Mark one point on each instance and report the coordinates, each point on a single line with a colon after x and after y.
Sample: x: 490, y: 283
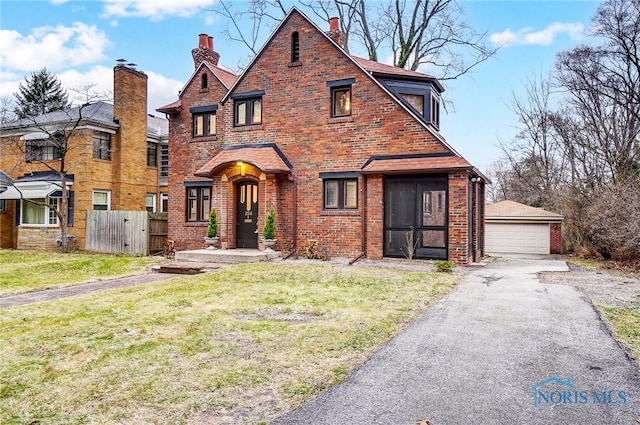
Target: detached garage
x: 516, y: 228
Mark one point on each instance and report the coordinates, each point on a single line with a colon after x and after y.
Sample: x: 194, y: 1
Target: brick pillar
x: 375, y: 217
x: 555, y: 238
x: 458, y: 218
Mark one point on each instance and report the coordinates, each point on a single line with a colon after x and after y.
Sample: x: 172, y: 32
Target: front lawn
x: 24, y: 271
x: 243, y: 344
x: 626, y: 326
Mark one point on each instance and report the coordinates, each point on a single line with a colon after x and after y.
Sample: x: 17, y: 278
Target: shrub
x: 269, y: 230
x: 444, y: 266
x: 212, y: 227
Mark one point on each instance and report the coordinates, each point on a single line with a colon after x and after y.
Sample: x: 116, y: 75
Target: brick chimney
x: 335, y: 33
x: 204, y: 51
x: 129, y: 144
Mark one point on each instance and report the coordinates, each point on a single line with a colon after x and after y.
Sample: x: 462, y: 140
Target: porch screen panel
x: 400, y: 204
x: 400, y: 208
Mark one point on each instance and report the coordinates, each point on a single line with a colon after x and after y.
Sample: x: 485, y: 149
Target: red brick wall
x: 555, y: 238
x: 186, y: 155
x: 296, y: 117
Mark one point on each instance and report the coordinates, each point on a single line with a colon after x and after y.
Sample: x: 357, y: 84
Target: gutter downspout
x: 363, y: 221
x: 294, y: 251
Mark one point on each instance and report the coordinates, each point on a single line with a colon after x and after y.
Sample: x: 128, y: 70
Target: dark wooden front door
x: 247, y: 215
x: 416, y: 206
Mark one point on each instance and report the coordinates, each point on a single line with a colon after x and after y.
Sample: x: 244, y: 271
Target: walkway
x: 83, y: 288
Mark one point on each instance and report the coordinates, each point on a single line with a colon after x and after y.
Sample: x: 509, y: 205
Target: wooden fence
x: 131, y: 232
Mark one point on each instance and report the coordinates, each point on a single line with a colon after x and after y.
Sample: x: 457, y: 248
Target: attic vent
x: 295, y: 47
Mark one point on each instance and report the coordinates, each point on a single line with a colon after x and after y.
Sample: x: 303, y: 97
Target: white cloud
x: 161, y: 91
x: 54, y: 47
x: 154, y: 9
x: 545, y: 37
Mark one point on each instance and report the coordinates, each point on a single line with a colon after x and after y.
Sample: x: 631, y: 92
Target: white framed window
x: 39, y: 212
x: 164, y: 202
x: 102, y: 200
x: 150, y: 202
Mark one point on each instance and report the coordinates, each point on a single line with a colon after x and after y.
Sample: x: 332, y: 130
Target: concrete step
x: 226, y: 256
x: 186, y: 267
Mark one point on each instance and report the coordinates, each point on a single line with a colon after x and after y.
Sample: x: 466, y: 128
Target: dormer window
x: 415, y: 100
x: 204, y: 81
x: 295, y: 47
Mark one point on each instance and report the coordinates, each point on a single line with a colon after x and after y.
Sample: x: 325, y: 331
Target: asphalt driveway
x: 502, y: 348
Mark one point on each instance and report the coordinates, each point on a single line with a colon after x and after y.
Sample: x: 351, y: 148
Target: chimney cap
x: 334, y: 23
x: 203, y: 40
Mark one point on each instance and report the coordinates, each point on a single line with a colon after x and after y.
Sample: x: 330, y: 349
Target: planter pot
x: 212, y: 242
x: 268, y: 243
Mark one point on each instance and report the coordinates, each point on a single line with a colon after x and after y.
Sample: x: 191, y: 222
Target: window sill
x: 195, y: 223
x: 294, y: 64
x: 204, y: 139
x: 352, y: 213
x: 338, y: 120
x: 108, y: 161
x: 248, y: 128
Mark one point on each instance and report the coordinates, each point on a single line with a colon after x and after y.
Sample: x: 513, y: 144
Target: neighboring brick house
x: 346, y: 151
x: 117, y: 161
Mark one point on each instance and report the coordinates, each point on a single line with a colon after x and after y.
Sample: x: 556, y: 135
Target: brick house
x: 346, y: 151
x: 117, y: 161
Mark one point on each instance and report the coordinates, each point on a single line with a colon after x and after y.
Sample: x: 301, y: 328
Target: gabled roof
x: 227, y: 78
x: 510, y: 210
x: 356, y: 61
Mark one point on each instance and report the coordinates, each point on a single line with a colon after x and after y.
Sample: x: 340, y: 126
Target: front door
x: 415, y: 216
x: 247, y: 215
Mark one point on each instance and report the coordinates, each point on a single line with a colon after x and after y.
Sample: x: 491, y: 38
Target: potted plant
x: 269, y: 231
x: 212, y: 230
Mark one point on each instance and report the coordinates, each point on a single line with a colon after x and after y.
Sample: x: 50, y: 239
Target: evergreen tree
x: 41, y: 93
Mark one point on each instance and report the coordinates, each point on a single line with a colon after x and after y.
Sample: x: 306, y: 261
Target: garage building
x: 516, y: 228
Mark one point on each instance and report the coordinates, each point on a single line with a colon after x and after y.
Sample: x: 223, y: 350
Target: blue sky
x: 80, y: 41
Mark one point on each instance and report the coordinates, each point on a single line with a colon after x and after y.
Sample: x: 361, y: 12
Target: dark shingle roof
x: 99, y: 112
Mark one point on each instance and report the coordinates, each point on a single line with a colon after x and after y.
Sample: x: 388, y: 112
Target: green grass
x: 24, y: 271
x: 240, y: 345
x: 626, y: 325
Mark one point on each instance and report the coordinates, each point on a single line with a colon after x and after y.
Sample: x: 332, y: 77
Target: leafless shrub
x: 614, y: 222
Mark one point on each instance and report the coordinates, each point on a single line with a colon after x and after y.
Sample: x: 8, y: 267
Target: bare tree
x: 603, y: 83
x: 7, y: 105
x: 581, y: 147
x: 536, y: 156
x: 420, y: 33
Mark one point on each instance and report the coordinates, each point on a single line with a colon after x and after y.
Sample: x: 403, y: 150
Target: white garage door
x: 517, y: 238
